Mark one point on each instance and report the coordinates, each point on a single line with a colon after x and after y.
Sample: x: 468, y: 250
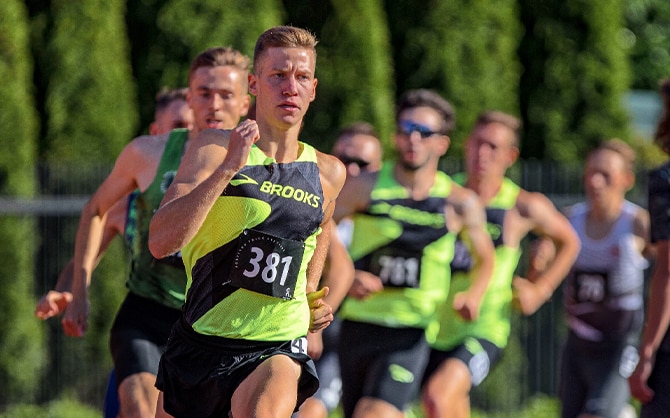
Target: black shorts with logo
x: 380, y: 362
x: 478, y: 354
x: 199, y: 373
x: 139, y: 335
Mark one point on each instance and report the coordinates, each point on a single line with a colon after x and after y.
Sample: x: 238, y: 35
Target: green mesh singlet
x: 493, y: 323
x: 406, y: 243
x: 277, y: 200
x: 163, y: 281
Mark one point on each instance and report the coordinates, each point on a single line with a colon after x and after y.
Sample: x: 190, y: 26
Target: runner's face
x: 490, y: 151
x: 418, y: 139
x: 177, y: 114
x: 359, y: 153
x: 606, y: 179
x: 218, y: 97
x: 284, y: 85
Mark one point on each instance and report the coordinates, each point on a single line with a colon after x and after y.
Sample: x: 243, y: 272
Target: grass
x: 537, y: 407
x: 65, y: 408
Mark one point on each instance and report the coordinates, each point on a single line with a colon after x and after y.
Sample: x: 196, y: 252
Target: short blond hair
x: 626, y: 152
x: 221, y: 57
x: 284, y: 37
x: 505, y: 119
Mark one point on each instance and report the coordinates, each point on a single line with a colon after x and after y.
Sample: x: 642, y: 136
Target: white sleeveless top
x: 603, y: 292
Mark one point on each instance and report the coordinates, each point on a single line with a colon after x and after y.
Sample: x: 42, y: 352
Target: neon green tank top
x: 407, y: 244
x: 163, y: 281
x: 247, y: 264
x: 493, y: 323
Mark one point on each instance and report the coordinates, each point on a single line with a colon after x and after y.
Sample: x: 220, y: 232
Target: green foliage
x: 647, y: 36
x: 21, y: 344
x: 62, y: 408
x: 18, y: 121
x: 178, y: 30
x: 540, y: 406
x: 355, y: 70
x: 90, y: 115
x: 90, y: 96
x: 572, y: 91
x: 198, y: 25
x: 465, y: 50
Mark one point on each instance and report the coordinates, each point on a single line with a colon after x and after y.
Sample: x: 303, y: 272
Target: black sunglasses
x: 362, y: 164
x: 406, y: 127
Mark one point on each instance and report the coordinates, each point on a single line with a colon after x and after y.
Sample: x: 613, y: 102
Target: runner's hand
x: 321, y: 313
x: 75, y: 320
x: 639, y: 388
x: 364, y: 284
x: 52, y: 304
x: 315, y: 344
x: 242, y: 138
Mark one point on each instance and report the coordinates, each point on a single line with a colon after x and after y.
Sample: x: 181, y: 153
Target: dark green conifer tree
x: 22, y: 349
x: 576, y: 72
x: 466, y: 50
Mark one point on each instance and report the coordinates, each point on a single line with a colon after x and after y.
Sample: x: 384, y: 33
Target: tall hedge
x: 576, y: 72
x: 168, y: 34
x: 465, y: 49
x: 90, y: 115
x: 21, y: 343
x: 647, y: 36
x: 355, y: 72
x: 90, y: 97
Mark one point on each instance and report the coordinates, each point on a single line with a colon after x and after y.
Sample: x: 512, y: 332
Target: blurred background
x: 79, y: 80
